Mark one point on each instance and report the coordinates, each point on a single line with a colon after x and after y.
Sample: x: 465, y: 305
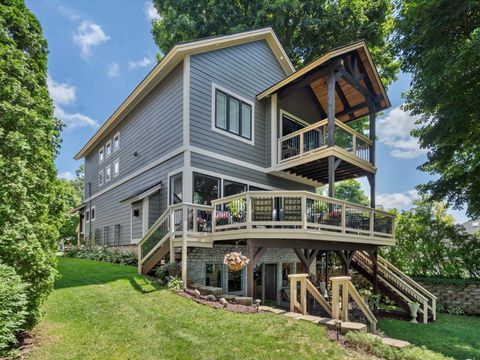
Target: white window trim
x: 100, y: 183
x: 106, y: 172
x: 225, y: 132
x: 116, y: 161
x: 95, y: 212
x: 291, y: 116
x: 113, y: 142
x: 170, y: 175
x: 101, y: 150
x: 107, y: 155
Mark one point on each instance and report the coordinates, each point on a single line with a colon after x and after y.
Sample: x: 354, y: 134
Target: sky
x: 100, y: 50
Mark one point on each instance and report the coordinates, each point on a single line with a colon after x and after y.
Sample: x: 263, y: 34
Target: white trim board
x: 186, y: 100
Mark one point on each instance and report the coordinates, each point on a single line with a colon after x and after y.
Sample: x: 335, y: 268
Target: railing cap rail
x: 292, y: 193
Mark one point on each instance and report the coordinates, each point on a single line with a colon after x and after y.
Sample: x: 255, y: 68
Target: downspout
x: 90, y: 211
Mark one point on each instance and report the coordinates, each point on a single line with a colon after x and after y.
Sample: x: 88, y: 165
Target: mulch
x: 189, y: 294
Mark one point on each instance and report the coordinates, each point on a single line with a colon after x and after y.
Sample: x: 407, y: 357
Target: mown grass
x: 451, y: 335
x: 106, y: 311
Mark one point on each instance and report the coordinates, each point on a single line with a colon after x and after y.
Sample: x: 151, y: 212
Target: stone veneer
x: 466, y: 297
x: 198, y: 258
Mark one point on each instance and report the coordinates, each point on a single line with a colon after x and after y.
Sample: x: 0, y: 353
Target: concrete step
x: 244, y: 300
x: 271, y: 309
x: 352, y: 326
x: 395, y: 342
x: 292, y: 315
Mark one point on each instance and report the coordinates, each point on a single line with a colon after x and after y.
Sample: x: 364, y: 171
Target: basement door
x: 271, y: 282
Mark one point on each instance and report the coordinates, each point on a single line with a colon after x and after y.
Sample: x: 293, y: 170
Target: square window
x: 116, y: 167
x: 108, y: 148
x: 213, y: 275
x: 116, y: 142
x: 205, y: 189
x: 100, y: 178
x: 108, y: 173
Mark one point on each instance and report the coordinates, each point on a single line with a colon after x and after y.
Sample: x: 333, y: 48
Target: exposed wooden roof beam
x: 343, y: 99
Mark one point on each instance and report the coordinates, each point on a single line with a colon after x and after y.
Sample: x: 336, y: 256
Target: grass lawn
x: 106, y: 311
x: 455, y: 336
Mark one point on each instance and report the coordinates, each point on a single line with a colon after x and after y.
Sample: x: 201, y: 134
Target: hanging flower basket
x: 235, y: 261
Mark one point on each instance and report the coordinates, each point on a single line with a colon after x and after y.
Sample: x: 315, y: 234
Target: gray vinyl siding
x: 137, y: 221
x: 151, y: 130
x: 245, y: 70
x: 295, y: 104
x: 246, y: 174
x: 155, y: 206
x: 109, y: 210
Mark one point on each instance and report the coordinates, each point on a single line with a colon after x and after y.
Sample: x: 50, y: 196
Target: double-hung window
x: 108, y: 173
x: 100, y: 178
x: 116, y: 167
x: 116, y: 142
x: 233, y: 114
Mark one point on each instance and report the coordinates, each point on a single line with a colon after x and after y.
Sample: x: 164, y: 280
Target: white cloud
x: 63, y: 95
x: 150, y: 11
x: 113, y: 70
x: 139, y: 63
x: 67, y: 175
x: 70, y: 14
x: 394, y: 132
x: 400, y: 201
x: 89, y: 34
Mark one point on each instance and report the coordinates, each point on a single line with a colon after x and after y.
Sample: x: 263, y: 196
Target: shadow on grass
x: 83, y: 272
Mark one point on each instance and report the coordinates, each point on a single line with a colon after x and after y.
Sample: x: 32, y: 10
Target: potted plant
x: 235, y: 261
x: 414, y: 306
x: 237, y: 208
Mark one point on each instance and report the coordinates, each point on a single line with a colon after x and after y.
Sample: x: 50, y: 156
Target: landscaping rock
x: 223, y: 302
x: 211, y: 297
x: 292, y: 315
x: 210, y: 290
x: 329, y: 323
x: 196, y: 293
x: 244, y: 300
x: 194, y: 286
x: 228, y: 297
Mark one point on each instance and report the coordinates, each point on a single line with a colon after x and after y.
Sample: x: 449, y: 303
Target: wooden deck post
x: 250, y: 268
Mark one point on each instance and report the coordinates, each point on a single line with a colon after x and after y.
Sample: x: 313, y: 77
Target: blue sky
x: 100, y: 50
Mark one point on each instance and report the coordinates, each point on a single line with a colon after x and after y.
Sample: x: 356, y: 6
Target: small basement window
x: 213, y: 275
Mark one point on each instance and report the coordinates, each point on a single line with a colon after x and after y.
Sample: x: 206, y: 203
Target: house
x: 471, y: 226
x: 221, y: 147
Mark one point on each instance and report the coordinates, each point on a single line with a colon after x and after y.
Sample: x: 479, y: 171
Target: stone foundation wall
x: 466, y: 297
x: 199, y: 257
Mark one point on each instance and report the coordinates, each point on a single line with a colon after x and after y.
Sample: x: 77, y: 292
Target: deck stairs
x: 397, y: 286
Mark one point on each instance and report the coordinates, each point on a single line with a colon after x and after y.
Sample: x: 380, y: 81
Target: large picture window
x: 233, y: 115
x: 233, y: 188
x: 205, y: 189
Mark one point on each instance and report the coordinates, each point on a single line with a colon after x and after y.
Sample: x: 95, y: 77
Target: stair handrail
x: 320, y: 299
x: 305, y: 285
x: 362, y: 305
x: 391, y: 267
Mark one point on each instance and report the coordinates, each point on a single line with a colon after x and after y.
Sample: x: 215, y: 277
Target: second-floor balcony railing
x: 314, y: 138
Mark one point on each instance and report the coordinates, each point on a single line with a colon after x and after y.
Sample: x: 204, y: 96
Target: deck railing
x: 314, y: 138
x: 298, y: 210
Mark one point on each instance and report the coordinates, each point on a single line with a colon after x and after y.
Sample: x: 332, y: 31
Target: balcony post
x: 331, y: 109
x: 331, y: 176
x: 372, y: 130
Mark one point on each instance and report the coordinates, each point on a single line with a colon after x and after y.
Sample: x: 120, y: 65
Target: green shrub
x: 374, y: 345
x: 174, y: 284
x: 103, y: 254
x: 13, y: 305
x: 169, y: 269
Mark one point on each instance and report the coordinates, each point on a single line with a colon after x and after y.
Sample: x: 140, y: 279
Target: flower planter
x: 413, y: 311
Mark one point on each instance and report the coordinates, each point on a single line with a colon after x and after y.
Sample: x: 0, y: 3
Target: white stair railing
x: 400, y: 283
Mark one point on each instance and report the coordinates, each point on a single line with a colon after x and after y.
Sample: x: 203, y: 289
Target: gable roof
x: 174, y: 57
x: 358, y: 49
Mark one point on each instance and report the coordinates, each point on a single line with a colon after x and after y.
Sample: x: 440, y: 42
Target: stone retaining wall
x: 466, y: 297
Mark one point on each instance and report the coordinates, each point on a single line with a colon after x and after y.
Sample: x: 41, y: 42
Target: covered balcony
x: 323, y: 118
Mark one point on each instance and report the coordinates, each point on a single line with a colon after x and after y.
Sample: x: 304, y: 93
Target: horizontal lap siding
x: 151, y: 130
x: 110, y: 212
x: 245, y: 70
x: 246, y: 174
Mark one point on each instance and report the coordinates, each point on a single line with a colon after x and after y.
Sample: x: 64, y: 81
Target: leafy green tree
x: 79, y: 181
x: 430, y: 244
x: 438, y: 42
x: 306, y: 28
x: 29, y: 140
x: 351, y: 190
x: 68, y: 197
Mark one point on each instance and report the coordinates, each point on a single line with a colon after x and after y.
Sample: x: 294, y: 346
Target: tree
x: 68, y: 197
x: 79, y: 182
x: 307, y: 28
x: 438, y: 42
x: 351, y: 190
x: 348, y: 190
x: 430, y: 244
x: 29, y: 141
